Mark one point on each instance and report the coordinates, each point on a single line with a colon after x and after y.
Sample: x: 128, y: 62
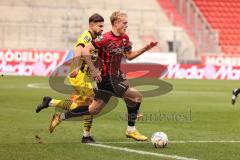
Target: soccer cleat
x: 44, y: 104
x: 88, y: 139
x: 56, y: 120
x: 234, y: 96
x: 136, y: 135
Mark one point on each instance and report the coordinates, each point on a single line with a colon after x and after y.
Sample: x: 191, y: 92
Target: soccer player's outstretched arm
x: 87, y: 57
x: 133, y: 54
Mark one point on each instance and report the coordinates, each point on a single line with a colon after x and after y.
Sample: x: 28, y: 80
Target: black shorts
x: 111, y: 86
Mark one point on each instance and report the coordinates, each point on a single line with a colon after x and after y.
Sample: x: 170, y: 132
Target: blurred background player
x: 235, y: 93
x: 112, y: 46
x: 80, y: 78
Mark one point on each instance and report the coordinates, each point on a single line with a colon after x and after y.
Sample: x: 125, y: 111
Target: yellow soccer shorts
x: 83, y: 86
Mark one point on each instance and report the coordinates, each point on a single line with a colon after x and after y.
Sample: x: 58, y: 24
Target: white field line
x: 141, y: 152
x: 38, y: 85
x: 127, y: 142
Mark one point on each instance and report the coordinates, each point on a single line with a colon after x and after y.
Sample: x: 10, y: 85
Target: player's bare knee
x: 96, y: 107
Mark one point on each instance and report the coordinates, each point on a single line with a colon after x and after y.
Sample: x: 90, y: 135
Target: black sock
x: 138, y: 106
x: 132, y: 108
x: 83, y: 110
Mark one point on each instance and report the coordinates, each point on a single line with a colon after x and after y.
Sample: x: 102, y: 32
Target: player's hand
x: 96, y: 75
x: 150, y: 45
x: 73, y: 74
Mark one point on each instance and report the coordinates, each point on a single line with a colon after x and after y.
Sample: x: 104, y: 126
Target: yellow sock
x: 63, y: 104
x: 54, y: 103
x: 87, y: 123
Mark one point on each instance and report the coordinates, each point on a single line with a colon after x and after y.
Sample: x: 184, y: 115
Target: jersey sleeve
x: 83, y: 40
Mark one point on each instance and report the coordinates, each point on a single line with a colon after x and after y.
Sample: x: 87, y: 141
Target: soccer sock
x: 86, y: 133
x: 132, y: 108
x: 87, y: 124
x: 137, y: 107
x: 138, y: 104
x: 54, y: 102
x: 131, y: 128
x: 63, y: 104
x: 79, y: 111
x: 62, y: 116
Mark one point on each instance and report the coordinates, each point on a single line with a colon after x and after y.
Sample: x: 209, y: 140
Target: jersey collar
x: 114, y: 34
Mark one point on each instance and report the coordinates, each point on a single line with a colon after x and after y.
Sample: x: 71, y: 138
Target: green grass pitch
x: 209, y: 116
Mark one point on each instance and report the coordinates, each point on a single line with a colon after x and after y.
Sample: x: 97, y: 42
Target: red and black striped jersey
x: 111, y: 49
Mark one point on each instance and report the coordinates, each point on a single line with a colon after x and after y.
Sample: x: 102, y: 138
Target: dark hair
x: 96, y: 18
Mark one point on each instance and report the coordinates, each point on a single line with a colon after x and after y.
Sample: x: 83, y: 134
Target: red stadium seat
x: 223, y: 16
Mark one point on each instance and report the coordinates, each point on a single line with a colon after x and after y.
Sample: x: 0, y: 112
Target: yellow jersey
x: 83, y: 82
x: 83, y: 40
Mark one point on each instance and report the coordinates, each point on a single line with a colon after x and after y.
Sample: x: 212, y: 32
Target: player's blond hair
x: 116, y: 15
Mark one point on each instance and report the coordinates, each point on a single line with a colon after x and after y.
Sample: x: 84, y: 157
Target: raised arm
x: 133, y: 54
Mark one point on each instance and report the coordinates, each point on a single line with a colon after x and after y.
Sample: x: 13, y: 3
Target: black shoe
x: 234, y: 96
x: 88, y: 140
x: 44, y: 104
